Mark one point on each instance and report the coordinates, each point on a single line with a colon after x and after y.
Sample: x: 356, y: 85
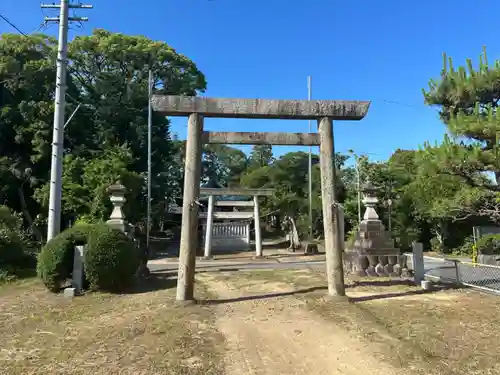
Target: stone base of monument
x: 372, y: 252
x: 371, y: 265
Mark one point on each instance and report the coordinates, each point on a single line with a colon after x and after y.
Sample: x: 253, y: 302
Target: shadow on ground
x: 260, y: 297
x: 387, y: 283
x: 154, y: 282
x: 209, y: 268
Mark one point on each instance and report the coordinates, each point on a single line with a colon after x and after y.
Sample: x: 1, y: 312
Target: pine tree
x: 468, y: 98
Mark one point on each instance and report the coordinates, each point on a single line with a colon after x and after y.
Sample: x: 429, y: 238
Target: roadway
x: 224, y: 265
x: 445, y: 270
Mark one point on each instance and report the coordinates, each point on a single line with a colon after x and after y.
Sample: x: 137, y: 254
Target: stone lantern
x: 372, y: 253
x: 117, y: 197
x: 370, y: 201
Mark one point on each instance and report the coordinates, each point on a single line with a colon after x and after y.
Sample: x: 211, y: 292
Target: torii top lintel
x: 237, y: 192
x: 172, y: 105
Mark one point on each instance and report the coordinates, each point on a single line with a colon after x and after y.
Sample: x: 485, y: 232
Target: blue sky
x: 383, y: 51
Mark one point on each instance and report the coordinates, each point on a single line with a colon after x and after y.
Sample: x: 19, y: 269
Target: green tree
x: 260, y: 156
x: 111, y: 72
x: 223, y: 164
x: 27, y: 71
x: 288, y: 175
x: 107, y: 77
x: 85, y: 184
x: 467, y: 98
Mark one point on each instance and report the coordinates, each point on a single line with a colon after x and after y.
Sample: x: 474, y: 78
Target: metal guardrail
x: 475, y: 275
x: 480, y: 276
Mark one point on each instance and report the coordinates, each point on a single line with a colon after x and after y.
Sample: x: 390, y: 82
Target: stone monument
x: 117, y: 197
x: 372, y: 253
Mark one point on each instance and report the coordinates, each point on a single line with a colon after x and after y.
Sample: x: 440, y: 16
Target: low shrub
x: 489, y: 245
x: 466, y: 248
x: 13, y: 245
x: 110, y: 262
x: 55, y: 262
x: 111, y: 259
x: 11, y: 249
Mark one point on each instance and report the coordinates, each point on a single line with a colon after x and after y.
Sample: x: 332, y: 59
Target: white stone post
x: 258, y: 238
x: 418, y: 262
x: 209, y: 228
x: 77, y: 279
x: 117, y: 198
x: 341, y: 234
x: 247, y: 235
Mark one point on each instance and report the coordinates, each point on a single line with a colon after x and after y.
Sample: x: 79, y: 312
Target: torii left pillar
x: 189, y: 229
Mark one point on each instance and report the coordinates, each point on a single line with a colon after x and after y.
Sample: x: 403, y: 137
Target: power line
x: 11, y: 24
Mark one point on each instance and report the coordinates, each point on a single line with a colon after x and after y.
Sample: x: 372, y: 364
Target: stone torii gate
x: 211, y: 215
x: 196, y: 108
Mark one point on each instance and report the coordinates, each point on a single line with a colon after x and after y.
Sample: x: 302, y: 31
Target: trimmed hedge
x: 489, y: 245
x: 111, y: 259
x: 55, y: 262
x: 110, y: 263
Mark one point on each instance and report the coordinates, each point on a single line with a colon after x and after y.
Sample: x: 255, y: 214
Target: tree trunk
x: 27, y: 215
x: 294, y: 234
x: 441, y: 234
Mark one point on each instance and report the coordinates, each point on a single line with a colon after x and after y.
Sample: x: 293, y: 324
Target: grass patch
x: 138, y: 333
x: 456, y: 328
x: 445, y: 332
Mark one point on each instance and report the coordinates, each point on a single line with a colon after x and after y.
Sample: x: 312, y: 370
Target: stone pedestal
x: 373, y: 253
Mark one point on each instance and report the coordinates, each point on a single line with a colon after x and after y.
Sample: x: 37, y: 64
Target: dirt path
x: 279, y: 335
